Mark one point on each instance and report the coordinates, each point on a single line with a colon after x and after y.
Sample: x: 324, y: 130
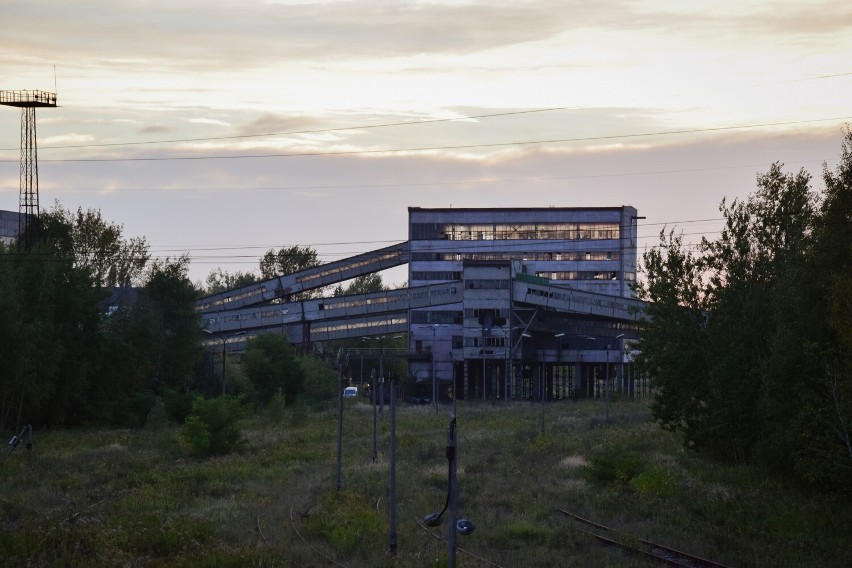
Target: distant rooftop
x: 25, y: 98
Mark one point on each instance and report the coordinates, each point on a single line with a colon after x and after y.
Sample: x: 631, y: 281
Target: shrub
x: 211, y: 428
x: 613, y: 465
x: 178, y: 404
x: 347, y: 521
x: 275, y: 408
x: 654, y: 482
x: 157, y: 418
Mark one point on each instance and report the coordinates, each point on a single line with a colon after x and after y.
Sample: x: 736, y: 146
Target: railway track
x: 607, y: 536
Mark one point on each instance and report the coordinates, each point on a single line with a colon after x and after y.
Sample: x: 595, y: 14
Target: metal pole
x: 373, y: 393
x: 392, y: 539
x: 508, y: 364
x: 434, y: 376
x: 606, y: 383
x: 483, y: 370
x: 339, y: 431
x: 453, y: 378
x: 224, y: 356
x: 382, y: 380
x: 453, y: 492
x: 541, y: 378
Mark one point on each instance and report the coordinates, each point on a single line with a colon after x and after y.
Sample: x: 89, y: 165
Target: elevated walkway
x: 578, y: 302
x: 250, y: 309
x: 357, y: 310
x: 282, y: 287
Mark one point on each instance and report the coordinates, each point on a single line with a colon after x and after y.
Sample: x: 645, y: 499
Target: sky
x: 224, y: 129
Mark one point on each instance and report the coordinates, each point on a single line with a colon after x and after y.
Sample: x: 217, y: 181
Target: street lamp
x: 224, y: 352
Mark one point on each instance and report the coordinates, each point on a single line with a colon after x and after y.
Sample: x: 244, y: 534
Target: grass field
x: 136, y: 498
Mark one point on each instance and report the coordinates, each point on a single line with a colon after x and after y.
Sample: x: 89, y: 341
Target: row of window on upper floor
x: 513, y: 231
x: 519, y: 255
x: 490, y: 284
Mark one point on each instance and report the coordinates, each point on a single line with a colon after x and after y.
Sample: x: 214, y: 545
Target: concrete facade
x: 492, y: 344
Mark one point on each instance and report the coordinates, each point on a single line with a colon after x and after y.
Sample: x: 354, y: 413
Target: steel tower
x: 28, y: 201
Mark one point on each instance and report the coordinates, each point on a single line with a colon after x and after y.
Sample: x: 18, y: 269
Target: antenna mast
x: 28, y: 211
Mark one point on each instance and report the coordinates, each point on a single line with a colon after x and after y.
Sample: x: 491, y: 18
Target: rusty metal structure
x: 28, y: 207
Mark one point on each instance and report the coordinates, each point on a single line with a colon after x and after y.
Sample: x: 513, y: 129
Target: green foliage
x: 347, y: 522
x: 106, y: 497
x: 653, y: 482
x: 299, y: 411
x: 66, y: 358
x: 49, y: 335
x: 220, y: 281
x: 158, y: 417
x: 276, y: 408
x: 362, y: 285
x: 169, y: 300
x: 319, y: 381
x: 271, y: 365
x: 212, y: 427
x: 288, y: 260
x: 97, y: 247
x: 748, y: 342
x: 614, y: 465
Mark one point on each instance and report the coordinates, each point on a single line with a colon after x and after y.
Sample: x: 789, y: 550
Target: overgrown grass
x: 140, y: 498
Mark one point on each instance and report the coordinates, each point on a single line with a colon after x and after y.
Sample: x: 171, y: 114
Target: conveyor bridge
x: 283, y: 287
x: 263, y: 306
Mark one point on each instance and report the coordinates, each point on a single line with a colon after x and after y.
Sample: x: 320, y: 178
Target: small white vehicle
x: 350, y: 392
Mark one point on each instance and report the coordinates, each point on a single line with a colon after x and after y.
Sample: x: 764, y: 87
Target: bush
x: 347, y: 522
x: 211, y: 428
x: 275, y: 408
x: 178, y: 404
x: 157, y: 418
x: 653, y: 482
x: 613, y: 465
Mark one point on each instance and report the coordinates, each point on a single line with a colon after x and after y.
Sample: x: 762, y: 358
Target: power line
x: 435, y: 183
x: 404, y: 123
x: 454, y: 147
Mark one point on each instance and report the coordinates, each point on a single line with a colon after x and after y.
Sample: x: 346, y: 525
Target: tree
x: 49, y: 319
x: 96, y: 245
x: 271, y: 365
x: 169, y: 297
x: 362, y: 285
x: 748, y: 340
x: 287, y: 260
x: 220, y: 281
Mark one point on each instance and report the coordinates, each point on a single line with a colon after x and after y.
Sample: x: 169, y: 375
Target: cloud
x: 154, y: 129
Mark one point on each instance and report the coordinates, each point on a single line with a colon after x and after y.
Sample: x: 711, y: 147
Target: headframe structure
x: 28, y: 206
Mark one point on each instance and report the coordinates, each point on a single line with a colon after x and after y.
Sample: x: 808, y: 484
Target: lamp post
x: 224, y: 353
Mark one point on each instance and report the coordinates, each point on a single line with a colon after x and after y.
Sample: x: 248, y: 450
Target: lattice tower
x: 28, y: 209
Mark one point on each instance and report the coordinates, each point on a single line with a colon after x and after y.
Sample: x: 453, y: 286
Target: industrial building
x: 519, y: 303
